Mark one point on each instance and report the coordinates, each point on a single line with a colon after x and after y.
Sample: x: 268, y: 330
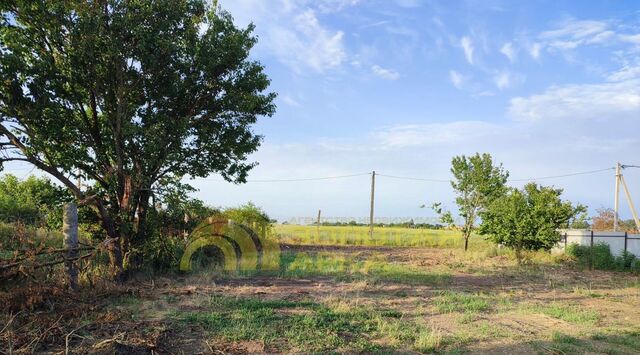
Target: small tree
x: 528, y: 219
x: 477, y: 182
x: 604, y: 221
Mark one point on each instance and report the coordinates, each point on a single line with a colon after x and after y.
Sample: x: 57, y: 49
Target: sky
x: 401, y: 86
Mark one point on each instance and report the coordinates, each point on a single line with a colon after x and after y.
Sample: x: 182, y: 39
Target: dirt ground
x: 597, y: 312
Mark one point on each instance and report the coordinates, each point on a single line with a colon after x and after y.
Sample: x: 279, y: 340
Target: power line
x: 420, y: 179
x: 302, y: 179
x: 412, y: 178
x: 561, y: 176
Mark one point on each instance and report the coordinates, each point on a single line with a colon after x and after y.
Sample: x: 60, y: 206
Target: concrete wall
x: 616, y: 240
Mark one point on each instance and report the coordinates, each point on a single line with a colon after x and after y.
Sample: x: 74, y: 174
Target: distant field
x: 382, y: 236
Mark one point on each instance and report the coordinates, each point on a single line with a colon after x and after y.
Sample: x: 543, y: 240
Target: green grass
x: 305, y: 326
x: 451, y: 301
x: 567, y: 313
x: 313, y: 327
x: 383, y: 236
x: 346, y: 268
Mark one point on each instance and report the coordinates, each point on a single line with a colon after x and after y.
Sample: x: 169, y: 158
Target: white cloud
x: 434, y: 133
x: 534, y: 50
x: 575, y: 33
x: 291, y: 31
x: 335, y: 5
x: 456, y: 78
x: 576, y: 30
x: 508, y: 51
x: 604, y: 101
x: 502, y: 80
x: 627, y: 72
x: 287, y: 99
x: 383, y: 73
x: 467, y: 47
x: 506, y: 79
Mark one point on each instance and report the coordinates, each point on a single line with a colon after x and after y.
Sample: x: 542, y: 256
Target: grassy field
x: 383, y: 236
x: 343, y: 292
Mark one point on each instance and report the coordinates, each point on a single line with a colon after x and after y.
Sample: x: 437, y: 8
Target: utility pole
x: 373, y: 192
x: 631, y: 206
x: 621, y: 181
x: 616, y: 198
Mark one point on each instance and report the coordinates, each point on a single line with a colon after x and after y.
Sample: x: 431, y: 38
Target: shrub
x: 599, y: 257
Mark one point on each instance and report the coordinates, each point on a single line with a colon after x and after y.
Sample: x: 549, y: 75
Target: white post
x: 373, y: 192
x: 70, y: 231
x: 616, y: 199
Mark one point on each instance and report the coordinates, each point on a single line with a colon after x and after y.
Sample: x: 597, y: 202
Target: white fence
x: 617, y: 241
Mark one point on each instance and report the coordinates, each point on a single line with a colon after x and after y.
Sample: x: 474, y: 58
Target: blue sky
x: 400, y: 87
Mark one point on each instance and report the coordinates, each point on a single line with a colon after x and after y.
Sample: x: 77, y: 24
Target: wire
x: 302, y: 179
x: 411, y: 178
x: 561, y: 176
x: 420, y: 179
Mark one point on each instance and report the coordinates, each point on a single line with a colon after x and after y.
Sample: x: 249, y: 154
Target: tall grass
x: 382, y: 236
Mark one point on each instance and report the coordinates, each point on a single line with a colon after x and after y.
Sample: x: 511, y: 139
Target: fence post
x: 591, y: 253
x: 625, y: 241
x: 565, y: 242
x: 70, y: 231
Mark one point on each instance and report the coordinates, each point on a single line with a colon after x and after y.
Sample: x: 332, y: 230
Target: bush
x: 599, y: 256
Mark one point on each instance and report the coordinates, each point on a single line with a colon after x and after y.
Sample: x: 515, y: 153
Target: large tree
x: 125, y: 93
x: 528, y: 219
x: 477, y: 182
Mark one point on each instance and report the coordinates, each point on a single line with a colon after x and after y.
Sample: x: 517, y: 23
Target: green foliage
x: 128, y: 93
x: 33, y: 201
x: 528, y: 219
x: 176, y: 212
x: 248, y: 213
x: 600, y: 257
x: 251, y: 216
x: 477, y: 182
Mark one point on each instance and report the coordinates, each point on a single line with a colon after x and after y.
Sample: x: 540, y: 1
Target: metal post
x: 373, y: 191
x: 70, y: 231
x: 565, y: 242
x: 625, y: 241
x: 591, y: 253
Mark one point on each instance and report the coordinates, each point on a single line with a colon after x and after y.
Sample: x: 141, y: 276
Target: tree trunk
x: 116, y: 265
x: 518, y: 251
x: 139, y: 232
x: 113, y: 241
x: 466, y: 242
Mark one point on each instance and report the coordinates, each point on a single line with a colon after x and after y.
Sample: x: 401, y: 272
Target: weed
x: 450, y: 301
